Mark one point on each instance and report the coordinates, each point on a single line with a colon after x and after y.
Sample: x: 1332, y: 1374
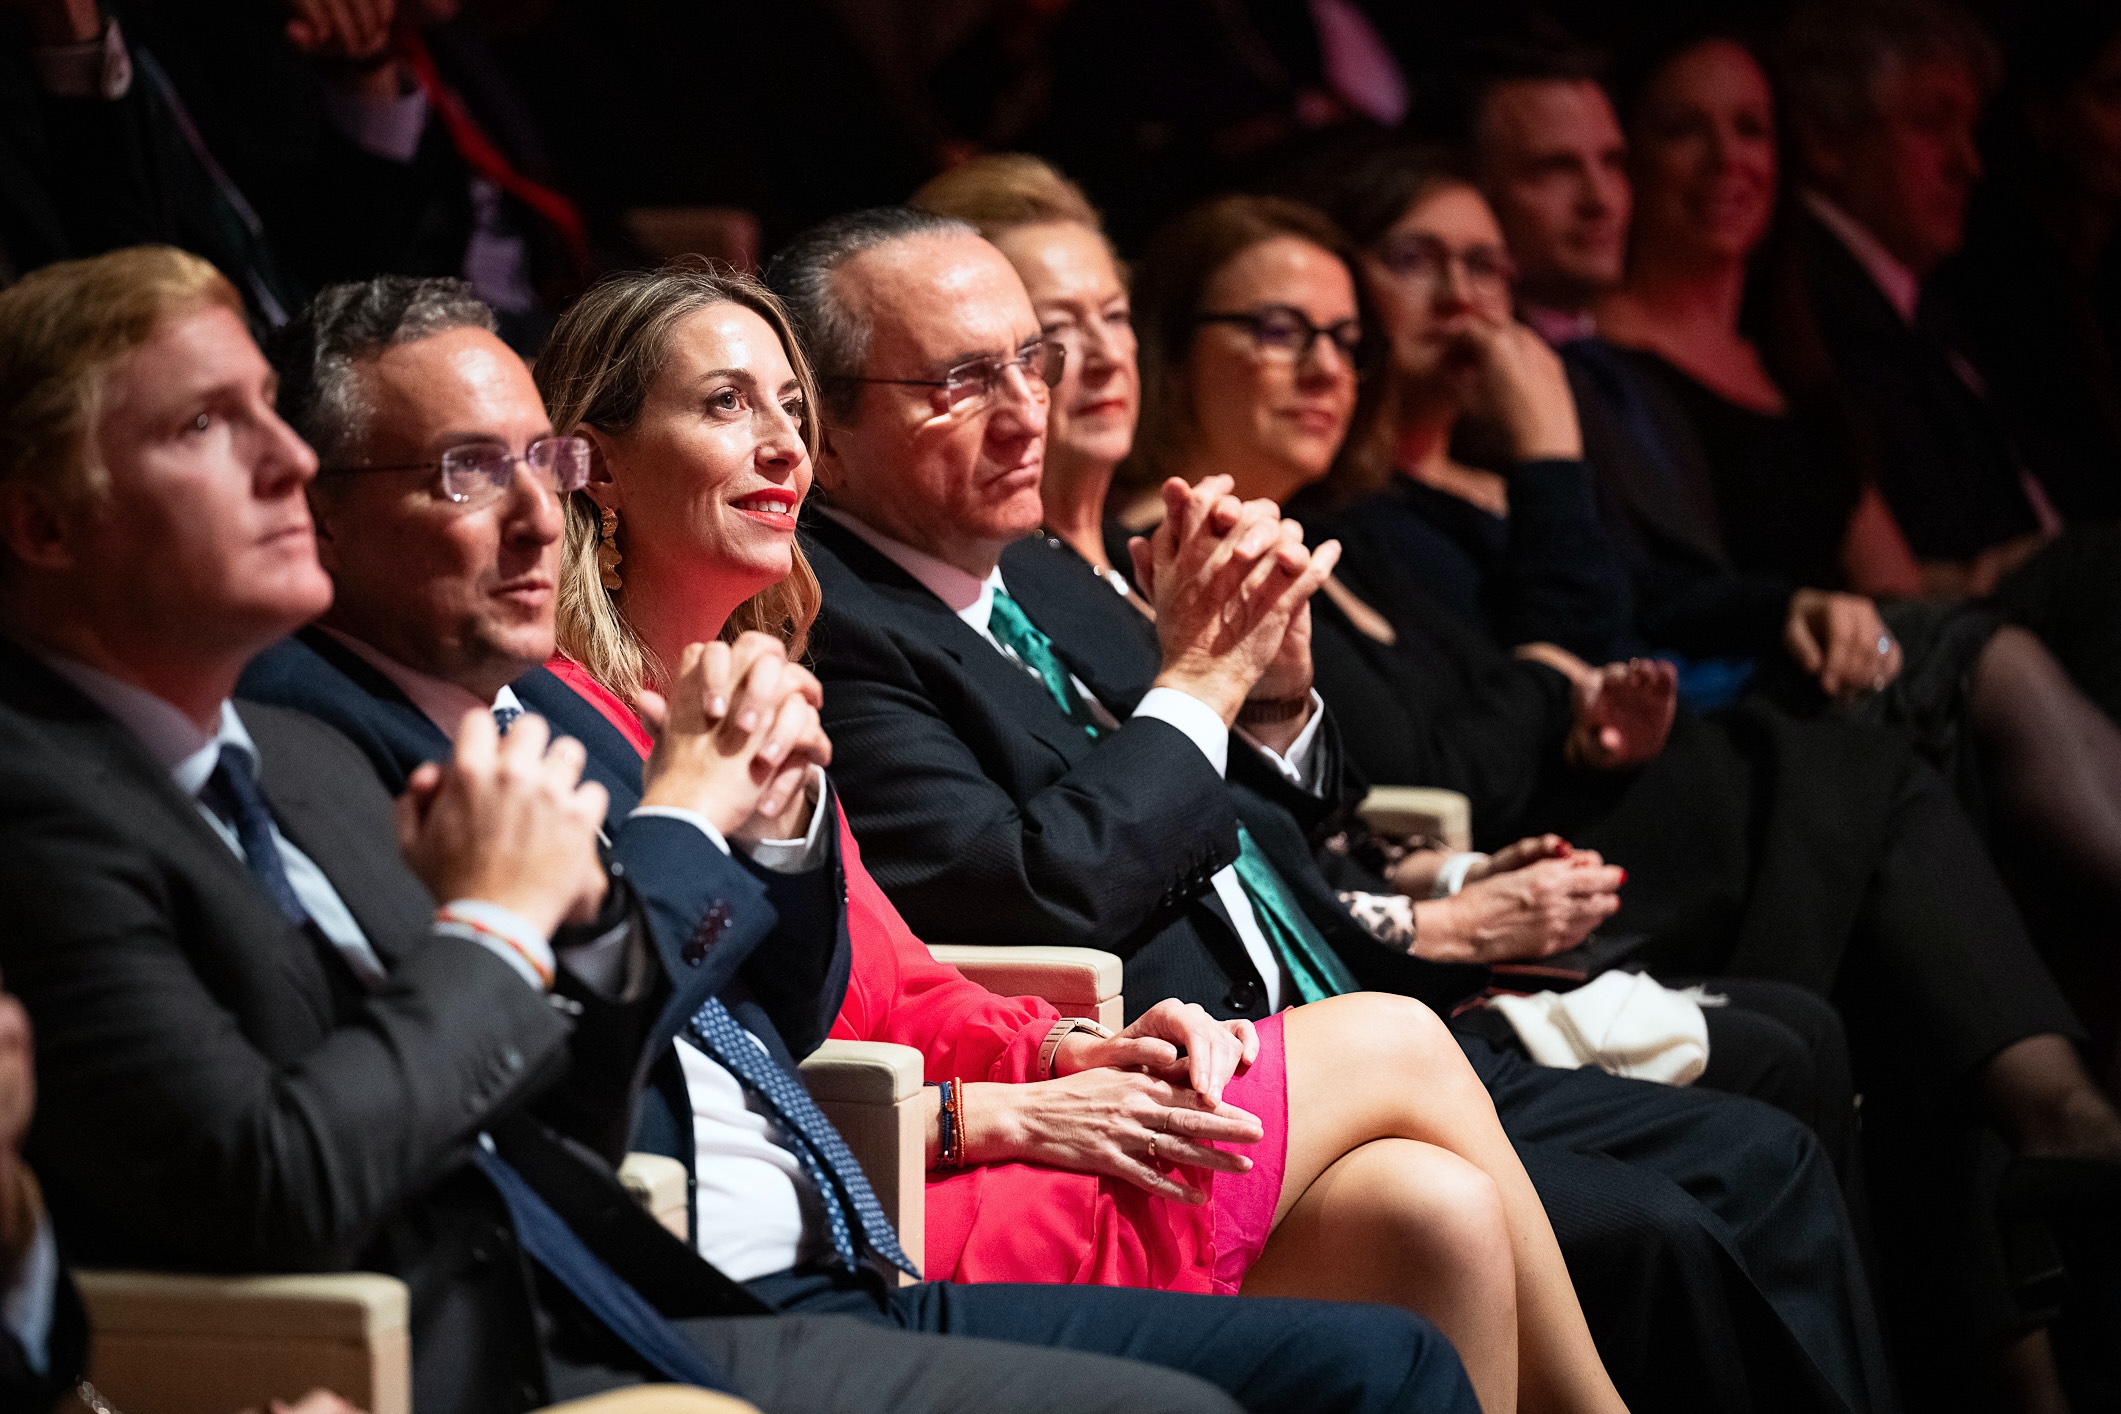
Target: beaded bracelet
x: 457, y: 918
x: 947, y: 1125
x: 955, y: 1136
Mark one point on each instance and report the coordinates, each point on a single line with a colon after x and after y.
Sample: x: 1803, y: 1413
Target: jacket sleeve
x: 1130, y: 830
x: 1561, y: 579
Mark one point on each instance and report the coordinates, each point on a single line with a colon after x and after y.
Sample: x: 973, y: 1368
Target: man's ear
x: 830, y: 472
x: 321, y: 508
x: 34, y: 529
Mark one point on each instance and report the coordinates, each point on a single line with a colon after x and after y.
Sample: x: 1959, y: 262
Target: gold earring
x: 608, y: 550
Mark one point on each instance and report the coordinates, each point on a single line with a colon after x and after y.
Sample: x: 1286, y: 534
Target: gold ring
x: 1152, y: 1148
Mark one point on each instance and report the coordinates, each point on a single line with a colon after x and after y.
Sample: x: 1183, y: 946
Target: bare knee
x: 1440, y: 1212
x: 1388, y: 1038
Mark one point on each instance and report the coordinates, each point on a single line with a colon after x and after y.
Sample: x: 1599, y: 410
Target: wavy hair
x: 604, y: 355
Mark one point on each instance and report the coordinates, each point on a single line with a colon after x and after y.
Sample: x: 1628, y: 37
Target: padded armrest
x: 863, y: 1072
x: 210, y: 1344
x: 871, y: 1091
x: 1085, y: 982
x: 658, y: 1183
x: 656, y: 1399
x: 1420, y: 810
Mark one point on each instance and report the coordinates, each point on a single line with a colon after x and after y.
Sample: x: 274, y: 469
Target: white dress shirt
x: 972, y: 598
x: 29, y: 1306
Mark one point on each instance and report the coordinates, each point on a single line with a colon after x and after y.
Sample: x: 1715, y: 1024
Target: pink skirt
x: 1244, y: 1203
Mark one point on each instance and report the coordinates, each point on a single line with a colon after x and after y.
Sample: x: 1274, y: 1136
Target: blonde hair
x: 604, y: 355
x: 1000, y: 191
x: 61, y: 330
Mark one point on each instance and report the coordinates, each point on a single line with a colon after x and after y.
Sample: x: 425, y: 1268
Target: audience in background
x: 1834, y: 433
x: 1173, y: 835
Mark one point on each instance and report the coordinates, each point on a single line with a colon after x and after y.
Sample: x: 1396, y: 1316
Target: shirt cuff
x: 793, y: 856
x: 1299, y: 764
x: 1202, y: 724
x: 505, y: 934
x: 387, y: 128
x: 691, y: 817
x: 98, y: 68
x: 31, y: 1304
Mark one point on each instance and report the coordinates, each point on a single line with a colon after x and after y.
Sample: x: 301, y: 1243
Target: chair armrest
x: 210, y: 1344
x: 661, y: 1185
x: 871, y: 1091
x: 655, y: 1399
x: 1083, y: 982
x: 1420, y: 810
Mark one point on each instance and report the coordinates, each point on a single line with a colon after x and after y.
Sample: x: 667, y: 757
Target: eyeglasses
x: 1420, y: 258
x: 479, y: 471
x: 972, y: 382
x: 1283, y: 331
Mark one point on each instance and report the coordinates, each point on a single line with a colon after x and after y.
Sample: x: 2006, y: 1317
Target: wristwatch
x: 1062, y: 1028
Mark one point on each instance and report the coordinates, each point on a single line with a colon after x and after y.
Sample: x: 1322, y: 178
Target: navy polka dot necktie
x: 505, y: 717
x: 851, y: 1208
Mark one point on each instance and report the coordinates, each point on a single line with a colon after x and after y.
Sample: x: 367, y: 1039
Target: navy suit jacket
x: 784, y: 982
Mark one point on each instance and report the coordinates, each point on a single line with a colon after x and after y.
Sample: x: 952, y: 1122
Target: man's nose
x: 535, y: 511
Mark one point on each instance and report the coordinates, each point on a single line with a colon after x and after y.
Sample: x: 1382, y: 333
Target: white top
x: 971, y: 599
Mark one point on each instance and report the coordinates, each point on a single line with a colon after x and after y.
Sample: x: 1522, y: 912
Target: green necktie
x: 1315, y: 968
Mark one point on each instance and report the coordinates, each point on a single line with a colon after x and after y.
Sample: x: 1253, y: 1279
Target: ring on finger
x: 1152, y: 1147
x: 1885, y: 644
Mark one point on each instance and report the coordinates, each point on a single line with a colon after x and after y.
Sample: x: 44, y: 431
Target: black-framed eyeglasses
x: 478, y: 471
x: 1283, y: 331
x: 1419, y: 256
x: 975, y: 380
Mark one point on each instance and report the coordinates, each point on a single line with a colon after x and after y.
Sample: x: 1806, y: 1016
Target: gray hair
x: 1833, y: 53
x: 320, y: 396
x: 835, y: 336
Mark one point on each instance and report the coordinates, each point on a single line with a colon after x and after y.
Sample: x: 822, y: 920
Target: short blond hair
x: 999, y: 191
x: 61, y: 330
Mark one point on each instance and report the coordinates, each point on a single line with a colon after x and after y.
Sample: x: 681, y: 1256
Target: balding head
x: 952, y: 471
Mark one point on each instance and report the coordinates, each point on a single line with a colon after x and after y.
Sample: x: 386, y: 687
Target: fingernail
x: 773, y: 753
x: 718, y: 706
x: 747, y: 719
x: 1623, y: 876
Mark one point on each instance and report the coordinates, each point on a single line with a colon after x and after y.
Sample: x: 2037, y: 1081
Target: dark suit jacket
x: 1941, y: 455
x: 789, y: 990
x: 990, y: 818
x: 218, y: 1094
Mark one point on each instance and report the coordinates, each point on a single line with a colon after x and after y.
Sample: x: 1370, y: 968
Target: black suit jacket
x: 219, y: 1094
x: 790, y: 986
x: 1940, y: 453
x: 990, y: 818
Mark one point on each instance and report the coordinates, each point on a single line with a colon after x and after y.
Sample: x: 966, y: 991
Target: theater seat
x: 179, y: 1344
x: 1081, y: 982
x: 1429, y: 812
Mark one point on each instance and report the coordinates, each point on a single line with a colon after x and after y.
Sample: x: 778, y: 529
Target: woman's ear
x: 602, y: 487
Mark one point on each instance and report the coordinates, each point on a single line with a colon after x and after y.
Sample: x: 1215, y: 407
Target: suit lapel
x: 133, y: 785
x: 613, y: 763
x: 1020, y: 696
x: 1103, y: 639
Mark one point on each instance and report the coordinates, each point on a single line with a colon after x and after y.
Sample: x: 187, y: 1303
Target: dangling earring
x: 608, y: 550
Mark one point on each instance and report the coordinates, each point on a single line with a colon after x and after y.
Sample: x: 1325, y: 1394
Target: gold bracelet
x: 1062, y: 1028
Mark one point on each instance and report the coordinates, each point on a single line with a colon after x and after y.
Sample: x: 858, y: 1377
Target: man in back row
x: 263, y: 1047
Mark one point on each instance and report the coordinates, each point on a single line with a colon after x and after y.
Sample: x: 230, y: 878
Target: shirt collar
x: 442, y: 702
x: 969, y: 597
x: 1901, y: 286
x: 171, y: 738
x: 1559, y: 326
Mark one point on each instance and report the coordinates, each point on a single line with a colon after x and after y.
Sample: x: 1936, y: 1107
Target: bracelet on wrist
x: 1272, y: 711
x: 1049, y: 1049
x: 1451, y: 876
x: 954, y: 1106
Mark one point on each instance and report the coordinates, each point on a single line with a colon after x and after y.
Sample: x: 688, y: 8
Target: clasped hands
x: 511, y: 821
x: 1127, y: 1105
x: 1231, y: 582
